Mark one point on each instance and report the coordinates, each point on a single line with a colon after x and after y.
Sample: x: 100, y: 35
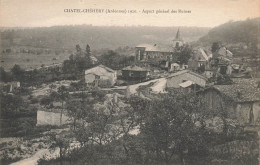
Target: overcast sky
x: 204, y: 13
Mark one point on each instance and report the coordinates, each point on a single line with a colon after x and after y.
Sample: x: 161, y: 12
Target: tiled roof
x: 134, y: 68
x: 155, y: 48
x: 186, y: 71
x: 242, y: 90
x: 204, y: 55
x: 108, y: 69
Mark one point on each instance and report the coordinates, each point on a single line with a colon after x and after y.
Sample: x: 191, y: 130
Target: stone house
x: 155, y: 52
x: 199, y: 59
x: 135, y: 73
x: 101, y: 76
x: 148, y: 52
x: 241, y: 100
x: 174, y: 80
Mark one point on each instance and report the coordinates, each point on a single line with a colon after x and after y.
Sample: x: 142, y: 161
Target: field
x: 31, y: 61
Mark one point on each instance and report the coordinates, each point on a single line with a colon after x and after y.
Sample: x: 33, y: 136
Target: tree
x: 10, y: 104
x: 88, y: 52
x: 114, y: 60
x: 63, y: 95
x: 78, y: 49
x: 18, y: 73
x: 215, y: 46
x: 62, y: 141
x: 3, y: 75
x: 183, y: 54
x: 169, y: 127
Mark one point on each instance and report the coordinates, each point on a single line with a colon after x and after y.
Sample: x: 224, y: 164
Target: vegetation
x: 168, y: 132
x: 59, y: 37
x: 240, y: 36
x: 114, y: 60
x: 183, y: 54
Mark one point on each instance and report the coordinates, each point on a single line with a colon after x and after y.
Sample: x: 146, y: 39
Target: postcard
x: 129, y: 82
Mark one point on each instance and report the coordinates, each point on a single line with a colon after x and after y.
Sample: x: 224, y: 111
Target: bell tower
x: 177, y: 41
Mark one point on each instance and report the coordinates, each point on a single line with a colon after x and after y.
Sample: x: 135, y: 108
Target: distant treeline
x: 65, y: 37
x: 245, y: 33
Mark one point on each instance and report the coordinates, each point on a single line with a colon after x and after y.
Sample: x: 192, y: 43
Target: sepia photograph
x: 130, y: 82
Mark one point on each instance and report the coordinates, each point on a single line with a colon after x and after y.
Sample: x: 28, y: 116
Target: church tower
x: 177, y: 42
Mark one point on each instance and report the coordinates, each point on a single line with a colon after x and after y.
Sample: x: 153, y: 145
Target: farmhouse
x: 223, y: 52
x: 199, y: 59
x: 174, y: 80
x: 134, y: 73
x: 241, y: 100
x: 101, y: 76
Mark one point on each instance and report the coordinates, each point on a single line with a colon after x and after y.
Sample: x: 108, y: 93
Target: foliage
x: 79, y: 62
x: 183, y: 54
x: 243, y: 33
x: 114, y: 60
x: 10, y: 104
x: 18, y: 73
x: 46, y: 101
x: 4, y: 76
x: 215, y: 46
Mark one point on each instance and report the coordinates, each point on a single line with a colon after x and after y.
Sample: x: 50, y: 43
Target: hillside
x: 241, y: 36
x: 98, y: 37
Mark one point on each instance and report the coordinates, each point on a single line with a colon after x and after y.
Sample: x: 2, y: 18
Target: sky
x: 202, y: 13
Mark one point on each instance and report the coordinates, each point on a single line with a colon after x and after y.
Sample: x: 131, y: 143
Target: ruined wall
x: 50, y: 118
x: 236, y: 150
x: 243, y: 111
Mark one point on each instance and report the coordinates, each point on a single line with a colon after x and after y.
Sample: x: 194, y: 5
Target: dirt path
x: 39, y: 154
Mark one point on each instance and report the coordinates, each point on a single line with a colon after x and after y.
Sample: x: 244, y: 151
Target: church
x: 147, y: 52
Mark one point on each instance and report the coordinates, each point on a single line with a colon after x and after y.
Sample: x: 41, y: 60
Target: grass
x: 30, y: 61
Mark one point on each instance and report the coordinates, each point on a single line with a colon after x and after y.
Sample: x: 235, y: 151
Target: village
x: 82, y: 101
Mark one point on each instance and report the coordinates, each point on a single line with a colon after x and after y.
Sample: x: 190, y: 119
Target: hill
x: 98, y: 37
x: 241, y: 36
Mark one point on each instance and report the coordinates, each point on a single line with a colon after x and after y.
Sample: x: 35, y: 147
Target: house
x: 101, y: 76
x: 146, y: 52
x: 241, y: 100
x: 199, y: 59
x: 174, y: 80
x: 135, y: 73
x: 224, y: 52
x: 155, y: 52
x: 209, y: 72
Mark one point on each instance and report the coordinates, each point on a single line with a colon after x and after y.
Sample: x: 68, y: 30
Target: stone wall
x: 51, y: 118
x: 236, y: 150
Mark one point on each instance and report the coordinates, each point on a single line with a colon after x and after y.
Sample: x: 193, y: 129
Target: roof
x: 186, y: 84
x: 94, y: 69
x: 108, y: 69
x: 203, y: 53
x: 155, y: 48
x: 223, y: 51
x: 242, y: 90
x: 134, y: 68
x: 178, y: 36
x: 186, y: 71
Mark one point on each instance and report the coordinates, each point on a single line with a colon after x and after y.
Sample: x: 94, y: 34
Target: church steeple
x: 177, y: 41
x: 178, y: 35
